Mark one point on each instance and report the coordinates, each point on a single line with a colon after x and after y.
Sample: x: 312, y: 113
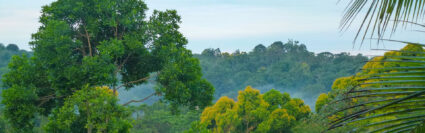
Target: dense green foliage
x: 286, y: 67
x: 87, y: 44
x: 88, y: 52
x: 97, y: 110
x: 158, y: 118
x: 6, y: 53
x: 154, y: 118
x: 271, y: 112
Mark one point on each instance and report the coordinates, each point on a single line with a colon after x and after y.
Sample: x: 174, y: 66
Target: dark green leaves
x: 90, y: 43
x: 182, y: 83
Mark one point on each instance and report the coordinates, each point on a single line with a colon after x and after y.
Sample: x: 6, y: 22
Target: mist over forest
x: 118, y: 66
x: 287, y: 67
x: 284, y: 66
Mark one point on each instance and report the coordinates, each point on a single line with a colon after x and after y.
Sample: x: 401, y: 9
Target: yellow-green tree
x: 251, y: 108
x: 253, y: 112
x: 219, y: 116
x: 321, y: 101
x: 278, y: 122
x: 297, y: 108
x: 276, y: 99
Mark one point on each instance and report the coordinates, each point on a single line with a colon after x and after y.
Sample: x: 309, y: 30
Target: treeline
x: 288, y: 67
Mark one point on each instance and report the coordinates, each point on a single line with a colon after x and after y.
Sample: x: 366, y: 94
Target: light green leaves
x: 253, y: 112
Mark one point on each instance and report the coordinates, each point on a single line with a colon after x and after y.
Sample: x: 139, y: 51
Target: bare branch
x: 83, y: 50
x: 116, y: 30
x: 141, y: 100
x: 132, y: 82
x: 122, y: 63
x: 47, y: 98
x: 88, y: 40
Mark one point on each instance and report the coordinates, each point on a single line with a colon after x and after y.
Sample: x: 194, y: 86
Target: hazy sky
x: 227, y: 24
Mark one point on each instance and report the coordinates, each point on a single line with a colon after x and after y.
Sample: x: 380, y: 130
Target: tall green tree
x: 101, y: 43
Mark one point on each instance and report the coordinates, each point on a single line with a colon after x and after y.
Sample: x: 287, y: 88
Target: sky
x: 230, y: 24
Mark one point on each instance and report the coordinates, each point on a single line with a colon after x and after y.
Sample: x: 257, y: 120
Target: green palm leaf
x: 382, y: 15
x: 390, y: 100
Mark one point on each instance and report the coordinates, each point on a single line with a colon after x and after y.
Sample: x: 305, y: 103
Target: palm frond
x: 390, y: 100
x: 382, y: 15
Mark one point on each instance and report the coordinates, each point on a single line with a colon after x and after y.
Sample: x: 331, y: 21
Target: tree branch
x: 47, y: 98
x: 141, y: 100
x: 132, y: 82
x: 122, y: 63
x: 116, y: 30
x: 119, y: 68
x: 88, y: 40
x: 83, y: 50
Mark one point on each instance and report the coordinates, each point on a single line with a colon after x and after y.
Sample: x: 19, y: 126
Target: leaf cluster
x: 253, y: 112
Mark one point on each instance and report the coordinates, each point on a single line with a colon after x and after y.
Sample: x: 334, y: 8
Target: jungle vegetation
x: 156, y: 115
x: 287, y: 67
x: 85, y: 53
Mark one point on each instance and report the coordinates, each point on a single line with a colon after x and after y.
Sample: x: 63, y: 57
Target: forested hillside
x: 287, y: 67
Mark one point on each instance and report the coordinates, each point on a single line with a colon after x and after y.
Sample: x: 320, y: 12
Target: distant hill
x: 288, y: 67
